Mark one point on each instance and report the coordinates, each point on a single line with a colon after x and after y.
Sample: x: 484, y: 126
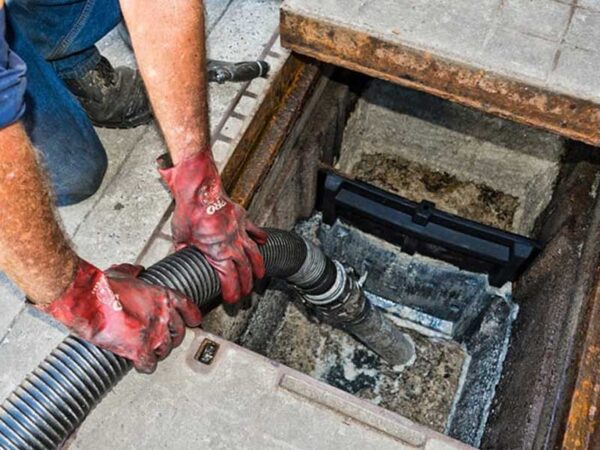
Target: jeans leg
x: 60, y: 130
x: 65, y: 32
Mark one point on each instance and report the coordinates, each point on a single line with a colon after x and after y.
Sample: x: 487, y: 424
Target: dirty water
x: 460, y: 325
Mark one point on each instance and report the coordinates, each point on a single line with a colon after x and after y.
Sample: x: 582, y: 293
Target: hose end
x: 333, y: 294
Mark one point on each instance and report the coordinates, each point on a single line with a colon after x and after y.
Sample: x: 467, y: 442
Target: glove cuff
x: 197, y: 167
x: 79, y: 307
x: 196, y: 176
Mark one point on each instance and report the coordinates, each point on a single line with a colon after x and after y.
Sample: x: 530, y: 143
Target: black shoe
x: 112, y: 98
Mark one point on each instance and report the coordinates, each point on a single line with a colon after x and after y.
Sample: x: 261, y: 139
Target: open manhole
x: 483, y: 351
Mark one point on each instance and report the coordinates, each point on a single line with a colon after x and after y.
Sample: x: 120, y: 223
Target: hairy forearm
x: 168, y: 39
x: 34, y: 252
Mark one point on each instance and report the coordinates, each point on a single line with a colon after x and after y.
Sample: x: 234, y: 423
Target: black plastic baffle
x: 421, y: 228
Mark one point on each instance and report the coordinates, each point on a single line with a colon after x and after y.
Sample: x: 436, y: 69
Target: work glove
x: 118, y: 312
x: 206, y: 218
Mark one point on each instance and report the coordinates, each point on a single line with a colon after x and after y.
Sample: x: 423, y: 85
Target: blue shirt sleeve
x: 12, y: 80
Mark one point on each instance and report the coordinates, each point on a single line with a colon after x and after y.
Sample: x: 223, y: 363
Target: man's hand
x: 116, y: 311
x: 206, y: 218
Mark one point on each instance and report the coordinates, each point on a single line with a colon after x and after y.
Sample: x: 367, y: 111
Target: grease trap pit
x: 469, y: 164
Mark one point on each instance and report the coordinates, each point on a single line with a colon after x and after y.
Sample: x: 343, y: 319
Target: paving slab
x: 13, y: 302
x: 118, y: 144
x: 584, y: 31
x: 545, y: 19
x: 506, y: 57
x: 242, y: 401
x: 157, y: 250
x: 589, y: 4
x: 121, y: 222
x: 32, y: 337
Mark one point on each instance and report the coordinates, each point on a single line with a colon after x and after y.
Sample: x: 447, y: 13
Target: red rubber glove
x: 116, y: 311
x: 206, y: 218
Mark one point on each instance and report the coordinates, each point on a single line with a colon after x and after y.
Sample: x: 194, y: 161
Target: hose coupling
x: 313, y: 268
x: 345, y: 306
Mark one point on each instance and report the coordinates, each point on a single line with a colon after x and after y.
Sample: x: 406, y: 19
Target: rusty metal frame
x: 265, y: 135
x: 583, y: 421
x: 252, y: 161
x: 418, y: 69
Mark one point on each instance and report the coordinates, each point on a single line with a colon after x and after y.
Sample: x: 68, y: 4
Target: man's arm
x: 111, y: 309
x: 34, y: 252
x: 168, y: 38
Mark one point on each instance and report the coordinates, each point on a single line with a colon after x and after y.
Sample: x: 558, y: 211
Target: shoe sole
x: 132, y: 123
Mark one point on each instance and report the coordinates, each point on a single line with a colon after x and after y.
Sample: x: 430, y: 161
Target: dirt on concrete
x: 423, y: 392
x: 417, y: 182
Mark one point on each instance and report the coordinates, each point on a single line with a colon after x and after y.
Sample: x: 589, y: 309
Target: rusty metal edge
x: 471, y: 86
x: 264, y: 137
x: 583, y: 420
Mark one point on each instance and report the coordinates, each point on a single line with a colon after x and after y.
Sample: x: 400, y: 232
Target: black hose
x: 56, y: 397
x: 52, y: 401
x: 284, y: 253
x: 223, y: 71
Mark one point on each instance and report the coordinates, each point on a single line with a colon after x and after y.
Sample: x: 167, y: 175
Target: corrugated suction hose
x: 56, y: 397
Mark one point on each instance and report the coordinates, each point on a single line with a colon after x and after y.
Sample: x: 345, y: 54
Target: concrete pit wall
x: 471, y: 164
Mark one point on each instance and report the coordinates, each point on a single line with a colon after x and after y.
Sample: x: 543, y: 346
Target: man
x: 47, y: 46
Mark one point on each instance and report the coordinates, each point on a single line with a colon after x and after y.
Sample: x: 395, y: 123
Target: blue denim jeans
x: 56, y: 38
